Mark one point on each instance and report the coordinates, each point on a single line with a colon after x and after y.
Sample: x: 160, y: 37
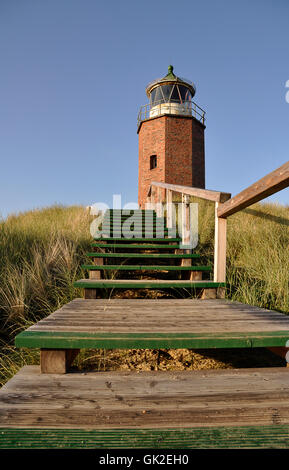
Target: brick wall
x: 178, y: 142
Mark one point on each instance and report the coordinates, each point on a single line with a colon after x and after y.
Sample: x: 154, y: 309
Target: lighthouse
x: 171, y: 136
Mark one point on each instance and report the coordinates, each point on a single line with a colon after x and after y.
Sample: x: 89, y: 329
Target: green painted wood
x: 145, y: 284
x: 125, y: 211
x: 81, y: 340
x: 134, y: 216
x: 119, y: 233
x: 140, y: 239
x: 126, y: 267
x: 138, y: 247
x: 137, y: 228
x: 142, y: 255
x: 225, y: 437
x: 143, y: 222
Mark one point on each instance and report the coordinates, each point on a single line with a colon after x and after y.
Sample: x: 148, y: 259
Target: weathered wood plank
x: 147, y: 400
x: 216, y: 196
x: 148, y: 340
x: 144, y: 284
x: 144, y: 267
x: 142, y: 255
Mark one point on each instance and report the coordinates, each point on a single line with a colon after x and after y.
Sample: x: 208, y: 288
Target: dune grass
x: 41, y: 253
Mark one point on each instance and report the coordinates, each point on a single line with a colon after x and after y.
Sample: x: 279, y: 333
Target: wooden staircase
x: 54, y: 407
x: 158, y: 261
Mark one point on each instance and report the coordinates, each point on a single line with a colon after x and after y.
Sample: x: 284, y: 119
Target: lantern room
x: 171, y: 94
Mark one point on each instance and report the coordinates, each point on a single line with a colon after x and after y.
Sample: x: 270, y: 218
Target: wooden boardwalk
x: 195, y: 409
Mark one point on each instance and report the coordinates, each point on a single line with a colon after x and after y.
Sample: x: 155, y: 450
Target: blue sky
x: 73, y: 76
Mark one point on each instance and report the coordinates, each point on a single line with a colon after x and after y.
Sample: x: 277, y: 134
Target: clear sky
x: 73, y: 76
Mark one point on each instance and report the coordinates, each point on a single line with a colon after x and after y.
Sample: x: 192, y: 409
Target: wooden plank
x: 144, y: 284
x: 266, y: 186
x: 216, y: 196
x: 134, y: 246
x: 108, y: 340
x: 142, y: 255
x: 226, y: 402
x: 149, y: 323
x: 146, y: 267
x: 142, y: 239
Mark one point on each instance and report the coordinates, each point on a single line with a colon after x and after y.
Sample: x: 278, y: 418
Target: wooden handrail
x: 209, y: 195
x: 266, y: 186
x: 225, y: 206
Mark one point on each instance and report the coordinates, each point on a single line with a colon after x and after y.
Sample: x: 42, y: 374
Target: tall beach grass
x: 41, y: 253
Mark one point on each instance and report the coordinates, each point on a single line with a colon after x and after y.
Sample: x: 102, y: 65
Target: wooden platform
x: 161, y: 323
x: 193, y: 409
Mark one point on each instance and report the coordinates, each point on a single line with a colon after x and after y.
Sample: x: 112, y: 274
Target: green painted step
x: 145, y: 284
x: 133, y: 216
x: 119, y: 236
x: 142, y: 255
x: 129, y: 210
x: 137, y: 234
x: 132, y: 246
x: 127, y: 267
x: 128, y: 222
x: 143, y: 215
x: 222, y: 437
x: 140, y: 239
x: 139, y: 227
x: 103, y: 340
x: 217, y: 437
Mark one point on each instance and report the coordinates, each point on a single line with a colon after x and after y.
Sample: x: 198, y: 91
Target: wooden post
x: 169, y: 208
x: 159, y: 202
x: 186, y: 235
x: 96, y: 274
x: 153, y: 199
x: 220, y: 247
x: 148, y: 204
x: 281, y: 352
x: 56, y: 361
x: 90, y: 293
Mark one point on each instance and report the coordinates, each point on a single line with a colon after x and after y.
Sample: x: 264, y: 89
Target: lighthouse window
x: 175, y: 97
x: 153, y: 162
x: 157, y: 96
x: 166, y: 89
x: 185, y: 93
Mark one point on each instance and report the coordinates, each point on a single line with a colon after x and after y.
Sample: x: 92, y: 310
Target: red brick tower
x: 171, y: 136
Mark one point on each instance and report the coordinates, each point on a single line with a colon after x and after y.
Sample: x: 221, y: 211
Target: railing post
x: 153, y: 200
x: 148, y: 204
x: 186, y: 236
x: 169, y: 194
x: 159, y: 202
x: 220, y: 247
